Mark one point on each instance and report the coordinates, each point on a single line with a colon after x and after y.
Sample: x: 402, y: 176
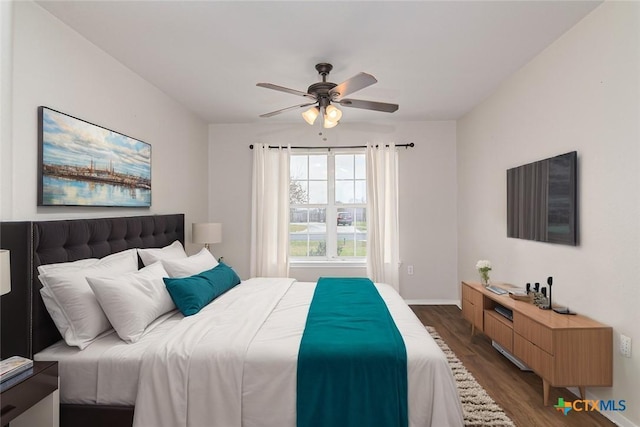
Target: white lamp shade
x: 311, y: 115
x: 333, y: 114
x: 206, y: 232
x: 5, y: 272
x: 328, y: 124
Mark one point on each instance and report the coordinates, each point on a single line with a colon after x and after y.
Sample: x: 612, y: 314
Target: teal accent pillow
x: 192, y: 293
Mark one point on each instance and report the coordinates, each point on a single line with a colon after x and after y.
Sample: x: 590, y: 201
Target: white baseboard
x: 616, y: 417
x: 432, y: 302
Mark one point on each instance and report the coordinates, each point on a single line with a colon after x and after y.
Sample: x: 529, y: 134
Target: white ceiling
x: 437, y: 59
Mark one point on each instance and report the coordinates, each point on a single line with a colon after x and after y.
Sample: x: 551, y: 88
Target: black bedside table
x: 34, y: 401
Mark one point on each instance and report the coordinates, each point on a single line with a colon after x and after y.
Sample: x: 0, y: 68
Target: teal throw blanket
x: 352, y: 364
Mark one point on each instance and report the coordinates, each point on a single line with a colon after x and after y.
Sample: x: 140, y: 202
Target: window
x: 328, y: 203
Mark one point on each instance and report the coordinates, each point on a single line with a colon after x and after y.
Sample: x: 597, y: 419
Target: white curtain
x: 383, y: 259
x: 270, y: 212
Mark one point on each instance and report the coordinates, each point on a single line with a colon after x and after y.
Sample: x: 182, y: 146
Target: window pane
x: 318, y: 220
x: 298, y: 247
x: 317, y: 246
x: 361, y: 231
x: 298, y: 219
x: 361, y: 166
x: 298, y: 167
x: 344, y: 192
x: 361, y: 192
x: 344, y: 166
x: 361, y: 221
x: 318, y: 167
x: 348, y: 246
x: 346, y: 232
x: 298, y: 192
x: 318, y: 232
x: 345, y: 217
x: 298, y: 228
x: 307, y: 232
x: 317, y: 192
x: 352, y: 232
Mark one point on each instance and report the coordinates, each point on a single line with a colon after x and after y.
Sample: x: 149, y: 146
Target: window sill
x: 328, y: 264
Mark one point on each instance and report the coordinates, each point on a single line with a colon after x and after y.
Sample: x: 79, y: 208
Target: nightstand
x: 34, y: 401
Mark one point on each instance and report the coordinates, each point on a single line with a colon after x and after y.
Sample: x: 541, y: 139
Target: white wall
x: 55, y: 67
x: 6, y: 87
x: 427, y: 194
x: 582, y: 93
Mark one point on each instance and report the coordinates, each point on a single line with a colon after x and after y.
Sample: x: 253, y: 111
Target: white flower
x: 483, y: 264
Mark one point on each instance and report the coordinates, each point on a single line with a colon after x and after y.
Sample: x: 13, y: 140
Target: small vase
x: 484, y: 279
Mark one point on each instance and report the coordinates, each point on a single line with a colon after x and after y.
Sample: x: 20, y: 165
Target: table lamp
x: 5, y: 272
x: 207, y: 233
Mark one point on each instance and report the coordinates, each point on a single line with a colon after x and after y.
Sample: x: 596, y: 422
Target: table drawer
x: 467, y: 293
x: 498, y: 329
x: 536, y: 358
x: 534, y: 332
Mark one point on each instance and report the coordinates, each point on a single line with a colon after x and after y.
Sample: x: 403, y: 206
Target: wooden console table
x: 565, y: 350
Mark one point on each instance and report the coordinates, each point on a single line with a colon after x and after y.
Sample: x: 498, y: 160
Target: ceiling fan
x: 324, y: 93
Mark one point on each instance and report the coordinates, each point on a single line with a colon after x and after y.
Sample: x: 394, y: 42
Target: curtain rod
x: 329, y: 147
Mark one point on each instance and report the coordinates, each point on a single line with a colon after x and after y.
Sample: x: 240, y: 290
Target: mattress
x: 252, y: 381
x: 106, y: 372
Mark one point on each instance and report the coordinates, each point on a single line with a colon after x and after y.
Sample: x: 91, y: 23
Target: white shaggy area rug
x: 478, y: 407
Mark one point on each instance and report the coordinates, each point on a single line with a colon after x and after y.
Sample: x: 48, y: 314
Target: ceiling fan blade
x: 369, y: 105
x: 273, y: 113
x: 285, y: 89
x: 355, y: 83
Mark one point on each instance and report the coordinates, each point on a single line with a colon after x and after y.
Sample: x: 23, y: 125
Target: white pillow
x: 61, y: 267
x: 134, y: 300
x: 194, y: 264
x: 117, y: 260
x: 173, y: 251
x: 73, y: 305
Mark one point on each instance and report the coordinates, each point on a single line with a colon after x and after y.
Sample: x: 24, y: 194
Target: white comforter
x: 234, y: 363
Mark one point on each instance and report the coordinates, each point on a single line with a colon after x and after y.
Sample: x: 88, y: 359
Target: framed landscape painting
x: 82, y: 164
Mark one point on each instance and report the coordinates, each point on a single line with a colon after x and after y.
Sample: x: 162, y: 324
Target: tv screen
x: 541, y: 200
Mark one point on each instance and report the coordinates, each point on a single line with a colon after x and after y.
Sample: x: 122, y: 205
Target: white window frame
x: 331, y: 259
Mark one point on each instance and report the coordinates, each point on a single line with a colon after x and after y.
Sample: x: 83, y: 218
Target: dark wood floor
x: 518, y: 393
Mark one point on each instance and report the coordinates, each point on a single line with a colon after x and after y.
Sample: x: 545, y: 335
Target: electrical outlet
x: 625, y: 345
x: 410, y: 270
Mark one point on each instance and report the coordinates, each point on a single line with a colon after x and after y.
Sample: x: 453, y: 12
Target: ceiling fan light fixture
x: 333, y: 114
x: 311, y: 115
x: 324, y: 93
x: 328, y: 124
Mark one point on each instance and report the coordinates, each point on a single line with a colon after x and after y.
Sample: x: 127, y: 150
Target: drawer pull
x: 7, y: 409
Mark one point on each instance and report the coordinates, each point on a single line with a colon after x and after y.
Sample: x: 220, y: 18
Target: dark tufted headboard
x: 26, y: 327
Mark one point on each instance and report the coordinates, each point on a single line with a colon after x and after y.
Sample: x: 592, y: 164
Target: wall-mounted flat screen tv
x: 541, y: 200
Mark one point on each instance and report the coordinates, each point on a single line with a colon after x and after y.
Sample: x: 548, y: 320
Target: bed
x: 259, y: 323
